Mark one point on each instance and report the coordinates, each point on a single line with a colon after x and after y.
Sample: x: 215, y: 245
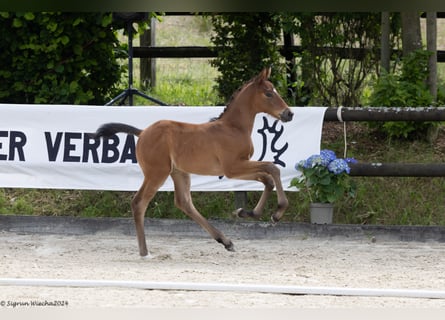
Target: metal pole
x: 398, y: 169
x: 386, y: 114
x: 130, y: 62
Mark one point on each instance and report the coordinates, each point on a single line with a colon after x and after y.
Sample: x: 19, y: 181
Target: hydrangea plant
x: 325, y: 177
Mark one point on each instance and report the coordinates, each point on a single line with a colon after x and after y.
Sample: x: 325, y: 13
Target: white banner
x: 47, y: 146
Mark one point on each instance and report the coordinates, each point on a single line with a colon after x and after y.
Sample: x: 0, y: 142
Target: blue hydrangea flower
x: 328, y: 155
x: 312, y: 161
x: 300, y: 164
x: 338, y: 166
x: 327, y: 158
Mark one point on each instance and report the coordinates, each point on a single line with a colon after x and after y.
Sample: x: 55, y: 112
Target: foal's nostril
x: 286, y: 115
x: 291, y: 115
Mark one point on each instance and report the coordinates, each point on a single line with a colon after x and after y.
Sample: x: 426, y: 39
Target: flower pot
x: 321, y: 213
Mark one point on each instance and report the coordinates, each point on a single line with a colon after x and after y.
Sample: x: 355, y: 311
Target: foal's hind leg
x: 183, y: 201
x: 138, y: 207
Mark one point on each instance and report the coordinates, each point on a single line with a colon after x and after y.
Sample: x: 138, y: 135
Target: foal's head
x: 267, y: 99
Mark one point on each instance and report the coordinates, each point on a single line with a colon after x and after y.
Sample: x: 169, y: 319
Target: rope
x: 340, y: 118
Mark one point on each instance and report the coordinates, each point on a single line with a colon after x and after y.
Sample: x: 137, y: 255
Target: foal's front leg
x: 283, y: 203
x: 257, y: 212
x: 269, y: 175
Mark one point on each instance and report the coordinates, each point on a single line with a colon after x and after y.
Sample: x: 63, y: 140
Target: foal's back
x: 193, y: 148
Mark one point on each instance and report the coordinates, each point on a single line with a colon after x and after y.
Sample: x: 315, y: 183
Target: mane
x: 233, y: 97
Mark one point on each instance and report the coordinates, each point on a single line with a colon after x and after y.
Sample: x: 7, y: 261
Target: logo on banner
x: 270, y: 143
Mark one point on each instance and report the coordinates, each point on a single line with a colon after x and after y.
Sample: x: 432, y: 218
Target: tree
x: 328, y: 76
x: 65, y: 58
x: 411, y: 36
x: 247, y: 43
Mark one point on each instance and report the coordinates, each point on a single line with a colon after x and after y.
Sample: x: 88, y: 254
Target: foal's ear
x: 265, y: 74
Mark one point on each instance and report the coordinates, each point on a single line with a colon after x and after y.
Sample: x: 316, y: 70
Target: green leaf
x: 17, y: 23
x: 73, y: 86
x: 64, y: 39
x: 106, y: 20
x: 5, y: 74
x: 29, y: 16
x: 77, y: 21
x: 59, y: 68
x: 52, y: 26
x: 77, y: 49
x: 325, y: 181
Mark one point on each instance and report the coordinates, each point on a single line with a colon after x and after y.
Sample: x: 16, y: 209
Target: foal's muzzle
x: 286, y: 115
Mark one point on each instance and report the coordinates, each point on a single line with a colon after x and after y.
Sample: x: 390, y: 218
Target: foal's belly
x: 203, y: 165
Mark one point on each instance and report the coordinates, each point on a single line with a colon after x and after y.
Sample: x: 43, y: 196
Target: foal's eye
x: 269, y: 94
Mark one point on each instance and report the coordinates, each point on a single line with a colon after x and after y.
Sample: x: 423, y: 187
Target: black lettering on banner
x: 69, y: 143
x: 110, y: 152
x: 69, y: 146
x: 90, y: 146
x: 53, y: 147
x: 17, y: 141
x: 129, y: 150
x: 276, y: 135
x: 3, y: 134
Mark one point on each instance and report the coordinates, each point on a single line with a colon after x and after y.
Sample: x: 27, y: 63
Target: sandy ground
x: 299, y: 261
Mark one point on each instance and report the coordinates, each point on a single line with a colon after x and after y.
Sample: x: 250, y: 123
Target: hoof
x: 236, y: 213
x: 274, y: 220
x: 230, y: 247
x: 242, y: 213
x: 147, y: 256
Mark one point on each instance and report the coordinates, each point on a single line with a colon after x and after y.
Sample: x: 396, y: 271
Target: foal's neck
x: 240, y: 112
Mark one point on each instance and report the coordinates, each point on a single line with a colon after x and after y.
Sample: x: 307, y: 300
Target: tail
x: 108, y: 129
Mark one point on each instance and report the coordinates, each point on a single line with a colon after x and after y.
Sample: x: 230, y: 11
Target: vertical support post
x: 148, y: 65
x: 290, y: 64
x: 431, y: 45
x: 130, y: 62
x: 385, y: 52
x: 240, y: 199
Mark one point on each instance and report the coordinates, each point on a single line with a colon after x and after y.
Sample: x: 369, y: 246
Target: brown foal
x: 221, y: 147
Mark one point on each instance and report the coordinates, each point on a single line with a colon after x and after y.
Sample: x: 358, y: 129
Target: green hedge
x: 58, y: 58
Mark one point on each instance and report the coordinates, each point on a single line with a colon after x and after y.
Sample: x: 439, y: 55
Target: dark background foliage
x: 58, y: 58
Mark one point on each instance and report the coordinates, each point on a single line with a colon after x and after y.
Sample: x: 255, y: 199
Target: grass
x: 380, y: 200
x: 188, y: 82
x: 391, y: 200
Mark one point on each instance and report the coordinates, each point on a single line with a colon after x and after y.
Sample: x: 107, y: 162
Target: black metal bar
x: 386, y: 114
x: 398, y: 169
x: 130, y: 61
x: 175, y: 52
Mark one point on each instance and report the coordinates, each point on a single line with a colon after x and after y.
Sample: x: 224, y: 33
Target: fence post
x: 385, y: 51
x: 431, y: 38
x: 148, y: 65
x: 290, y: 64
x: 240, y: 199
